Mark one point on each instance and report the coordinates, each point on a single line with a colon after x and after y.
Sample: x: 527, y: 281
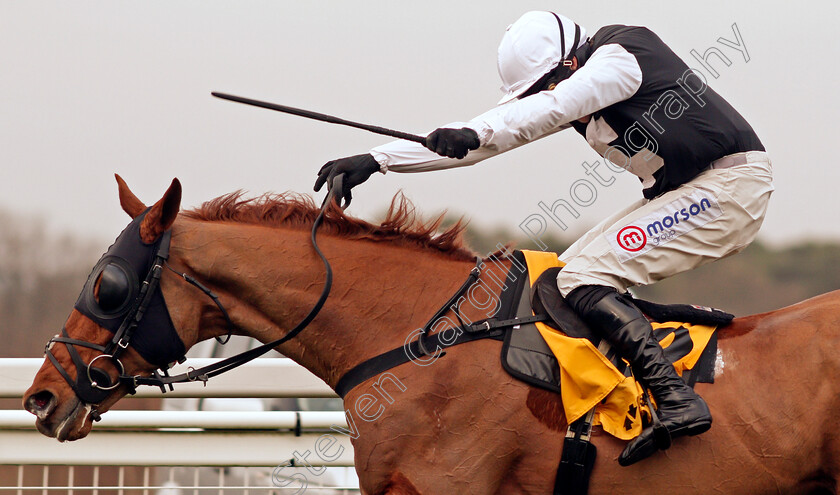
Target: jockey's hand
x: 454, y: 143
x: 356, y: 169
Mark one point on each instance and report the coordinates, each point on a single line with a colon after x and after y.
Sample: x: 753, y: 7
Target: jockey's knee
x: 582, y: 298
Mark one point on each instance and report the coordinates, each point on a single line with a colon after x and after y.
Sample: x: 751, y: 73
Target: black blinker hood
x: 155, y: 338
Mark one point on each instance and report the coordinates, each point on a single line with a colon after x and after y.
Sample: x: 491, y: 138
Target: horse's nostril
x: 41, y: 404
x: 42, y: 399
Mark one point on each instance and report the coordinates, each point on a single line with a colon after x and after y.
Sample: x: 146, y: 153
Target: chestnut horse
x: 461, y: 424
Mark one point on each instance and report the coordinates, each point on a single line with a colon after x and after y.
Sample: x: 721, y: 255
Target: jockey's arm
x: 610, y: 75
x: 408, y: 156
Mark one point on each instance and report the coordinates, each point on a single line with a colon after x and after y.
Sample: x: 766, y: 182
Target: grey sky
x: 92, y: 88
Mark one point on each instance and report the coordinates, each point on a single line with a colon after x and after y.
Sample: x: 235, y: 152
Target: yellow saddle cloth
x: 588, y: 379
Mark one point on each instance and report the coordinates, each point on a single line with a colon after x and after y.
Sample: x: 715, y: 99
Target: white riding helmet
x: 531, y: 47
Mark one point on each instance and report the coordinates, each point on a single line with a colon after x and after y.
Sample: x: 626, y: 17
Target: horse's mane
x: 401, y: 225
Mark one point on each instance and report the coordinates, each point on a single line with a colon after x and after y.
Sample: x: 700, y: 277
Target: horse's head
x: 119, y: 327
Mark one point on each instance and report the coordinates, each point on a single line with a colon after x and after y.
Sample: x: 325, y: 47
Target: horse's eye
x: 113, y: 288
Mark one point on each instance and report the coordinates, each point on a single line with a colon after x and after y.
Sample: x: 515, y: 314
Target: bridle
x: 93, y: 384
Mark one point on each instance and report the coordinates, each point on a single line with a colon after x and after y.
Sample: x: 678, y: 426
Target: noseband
x: 121, y: 295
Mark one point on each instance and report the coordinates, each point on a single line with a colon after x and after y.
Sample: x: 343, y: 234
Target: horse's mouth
x: 74, y: 425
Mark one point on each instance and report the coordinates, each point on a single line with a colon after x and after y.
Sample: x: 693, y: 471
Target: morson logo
x: 671, y: 220
x: 631, y: 238
x: 664, y: 224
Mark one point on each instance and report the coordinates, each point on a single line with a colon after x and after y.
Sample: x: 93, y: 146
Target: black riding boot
x: 626, y: 329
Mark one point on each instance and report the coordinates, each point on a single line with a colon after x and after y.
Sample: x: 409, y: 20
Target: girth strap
x: 401, y: 355
x: 578, y: 458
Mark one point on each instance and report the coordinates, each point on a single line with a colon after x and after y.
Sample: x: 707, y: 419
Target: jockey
x: 705, y: 177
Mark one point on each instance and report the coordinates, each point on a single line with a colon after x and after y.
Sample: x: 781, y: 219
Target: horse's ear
x: 129, y: 202
x: 162, y: 214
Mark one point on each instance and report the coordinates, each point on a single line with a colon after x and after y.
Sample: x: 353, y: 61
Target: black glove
x: 454, y: 143
x: 356, y: 169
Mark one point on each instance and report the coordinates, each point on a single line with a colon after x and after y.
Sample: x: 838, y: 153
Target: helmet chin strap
x: 564, y: 68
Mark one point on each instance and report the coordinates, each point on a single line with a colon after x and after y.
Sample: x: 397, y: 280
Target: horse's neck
x: 271, y: 278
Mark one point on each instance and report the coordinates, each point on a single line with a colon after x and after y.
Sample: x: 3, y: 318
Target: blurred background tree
x: 41, y: 274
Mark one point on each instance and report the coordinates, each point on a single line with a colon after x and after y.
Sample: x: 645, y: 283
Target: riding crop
x: 322, y: 117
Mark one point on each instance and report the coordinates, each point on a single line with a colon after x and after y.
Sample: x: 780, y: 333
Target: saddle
x: 561, y: 353
x: 547, y: 300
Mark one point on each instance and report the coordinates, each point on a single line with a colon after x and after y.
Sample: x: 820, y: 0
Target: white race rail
x: 184, y: 438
